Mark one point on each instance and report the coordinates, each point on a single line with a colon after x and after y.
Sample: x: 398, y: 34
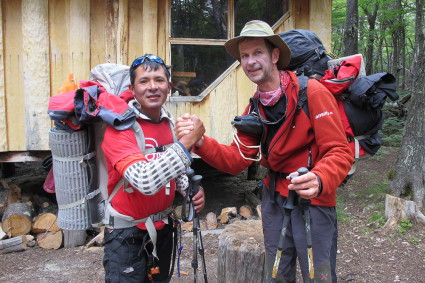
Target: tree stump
x: 397, y: 208
x: 50, y: 240
x: 45, y: 222
x: 17, y: 219
x: 241, y: 252
x: 15, y: 244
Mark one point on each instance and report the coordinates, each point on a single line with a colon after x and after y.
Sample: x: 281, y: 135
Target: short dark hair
x: 148, y: 65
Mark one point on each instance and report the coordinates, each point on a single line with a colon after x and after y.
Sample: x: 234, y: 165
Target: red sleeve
x: 119, y: 144
x: 124, y: 163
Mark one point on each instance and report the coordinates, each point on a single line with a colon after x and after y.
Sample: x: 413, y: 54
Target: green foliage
x: 404, y: 225
x: 378, y: 218
x: 415, y: 241
x: 390, y: 22
x: 391, y: 174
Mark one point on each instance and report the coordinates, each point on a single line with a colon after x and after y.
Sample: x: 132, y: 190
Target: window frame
x: 210, y: 42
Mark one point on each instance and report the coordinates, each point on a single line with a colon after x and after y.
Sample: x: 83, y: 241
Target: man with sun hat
x: 290, y: 140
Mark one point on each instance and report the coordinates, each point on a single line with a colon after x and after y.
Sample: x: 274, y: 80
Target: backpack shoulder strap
x: 302, y: 97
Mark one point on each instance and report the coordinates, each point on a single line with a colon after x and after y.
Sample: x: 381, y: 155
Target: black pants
x: 125, y: 259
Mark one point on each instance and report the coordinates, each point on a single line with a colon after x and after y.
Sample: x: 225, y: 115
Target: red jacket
x: 331, y: 155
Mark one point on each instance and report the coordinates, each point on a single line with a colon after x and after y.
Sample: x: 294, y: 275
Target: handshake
x: 189, y: 130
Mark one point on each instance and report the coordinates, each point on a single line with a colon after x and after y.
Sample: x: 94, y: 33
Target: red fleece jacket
x: 323, y: 132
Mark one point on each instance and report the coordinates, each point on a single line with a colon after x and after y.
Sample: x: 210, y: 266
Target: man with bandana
x: 290, y: 140
x: 142, y: 181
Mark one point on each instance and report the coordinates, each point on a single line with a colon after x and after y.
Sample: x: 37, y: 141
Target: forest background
x: 390, y: 35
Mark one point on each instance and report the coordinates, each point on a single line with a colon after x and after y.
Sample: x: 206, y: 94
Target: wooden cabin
x: 43, y: 41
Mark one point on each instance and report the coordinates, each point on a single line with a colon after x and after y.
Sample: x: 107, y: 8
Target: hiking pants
x: 125, y: 259
x: 324, y: 235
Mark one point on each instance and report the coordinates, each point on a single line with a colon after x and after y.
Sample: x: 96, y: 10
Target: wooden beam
x: 135, y: 30
x: 301, y: 13
x: 13, y: 66
x: 79, y: 39
x: 3, y: 128
x: 97, y: 33
x: 36, y: 67
x: 321, y: 21
x: 150, y: 27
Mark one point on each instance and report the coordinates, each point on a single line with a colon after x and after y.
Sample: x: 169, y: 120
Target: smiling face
x: 151, y: 88
x: 258, y: 64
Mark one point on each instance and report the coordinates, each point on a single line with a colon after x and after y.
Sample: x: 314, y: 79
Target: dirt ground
x: 365, y: 253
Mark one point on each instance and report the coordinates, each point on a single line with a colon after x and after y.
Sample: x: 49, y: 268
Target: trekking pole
x: 288, y: 206
x: 194, y: 183
x: 305, y: 204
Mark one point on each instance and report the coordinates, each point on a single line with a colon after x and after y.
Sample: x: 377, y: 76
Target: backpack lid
x: 303, y: 44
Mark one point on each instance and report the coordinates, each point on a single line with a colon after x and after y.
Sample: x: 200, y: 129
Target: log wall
x: 42, y: 41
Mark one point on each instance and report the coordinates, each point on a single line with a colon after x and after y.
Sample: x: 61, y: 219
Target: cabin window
x: 199, y: 29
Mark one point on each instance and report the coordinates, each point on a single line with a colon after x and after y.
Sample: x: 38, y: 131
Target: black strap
x: 272, y: 182
x: 302, y: 96
x: 175, y: 224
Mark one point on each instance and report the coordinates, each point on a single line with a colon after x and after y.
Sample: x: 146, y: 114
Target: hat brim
x: 232, y: 47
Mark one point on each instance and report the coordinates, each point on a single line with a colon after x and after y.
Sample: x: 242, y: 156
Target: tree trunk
x: 351, y: 28
x: 241, y: 252
x: 409, y: 170
x: 371, y: 19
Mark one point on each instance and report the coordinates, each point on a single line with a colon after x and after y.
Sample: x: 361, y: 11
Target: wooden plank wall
x: 42, y: 41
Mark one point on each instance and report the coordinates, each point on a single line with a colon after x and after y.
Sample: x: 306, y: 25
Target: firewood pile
x: 27, y: 220
x: 30, y: 220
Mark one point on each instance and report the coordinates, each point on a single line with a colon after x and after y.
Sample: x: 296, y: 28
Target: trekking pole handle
x: 196, y: 182
x: 290, y: 201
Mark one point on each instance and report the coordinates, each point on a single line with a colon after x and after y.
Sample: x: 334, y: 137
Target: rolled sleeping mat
x: 72, y: 167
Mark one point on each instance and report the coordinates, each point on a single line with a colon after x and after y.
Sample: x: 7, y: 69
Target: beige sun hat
x: 258, y: 28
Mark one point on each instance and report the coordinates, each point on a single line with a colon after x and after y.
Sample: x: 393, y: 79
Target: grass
x: 342, y: 216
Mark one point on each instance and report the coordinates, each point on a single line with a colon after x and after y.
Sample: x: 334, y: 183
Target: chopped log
x: 74, y: 238
x: 241, y: 252
x: 43, y: 205
x: 15, y: 244
x: 224, y: 218
x: 17, y: 219
x: 258, y: 208
x: 14, y: 194
x: 397, y: 208
x: 251, y: 199
x: 226, y: 214
x: 45, y: 222
x: 203, y: 225
x: 50, y: 240
x: 211, y: 220
x: 8, y: 195
x: 99, y: 240
x: 187, y: 226
x: 245, y: 211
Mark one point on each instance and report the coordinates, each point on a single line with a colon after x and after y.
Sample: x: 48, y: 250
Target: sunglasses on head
x: 142, y: 59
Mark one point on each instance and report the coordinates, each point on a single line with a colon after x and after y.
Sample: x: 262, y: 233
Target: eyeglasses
x: 142, y: 59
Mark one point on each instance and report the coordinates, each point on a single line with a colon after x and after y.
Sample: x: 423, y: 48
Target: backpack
x: 80, y: 117
x: 360, y: 98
